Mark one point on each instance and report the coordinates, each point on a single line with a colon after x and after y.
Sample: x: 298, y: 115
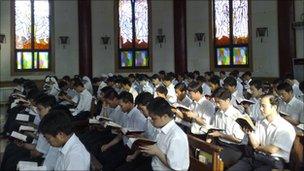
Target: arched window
x: 231, y: 36
x: 133, y: 35
x: 31, y: 33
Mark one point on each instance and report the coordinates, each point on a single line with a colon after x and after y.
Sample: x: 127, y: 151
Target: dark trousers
x: 258, y: 162
x: 141, y: 163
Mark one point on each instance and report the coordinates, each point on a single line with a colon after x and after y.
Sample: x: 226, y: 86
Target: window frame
x: 212, y: 47
x: 117, y: 60
x: 35, y: 72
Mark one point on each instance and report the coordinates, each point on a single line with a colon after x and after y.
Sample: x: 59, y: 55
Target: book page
x: 94, y: 121
x: 22, y: 164
x: 18, y: 136
x: 22, y: 117
x: 26, y: 128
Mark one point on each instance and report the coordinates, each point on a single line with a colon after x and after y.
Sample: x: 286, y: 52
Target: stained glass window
x: 32, y: 35
x: 231, y: 33
x: 133, y: 18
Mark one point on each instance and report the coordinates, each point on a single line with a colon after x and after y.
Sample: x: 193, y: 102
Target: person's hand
x: 35, y: 154
x: 105, y: 147
x: 150, y: 149
x: 191, y: 114
x: 246, y: 130
x: 130, y: 158
x: 19, y: 143
x: 215, y: 134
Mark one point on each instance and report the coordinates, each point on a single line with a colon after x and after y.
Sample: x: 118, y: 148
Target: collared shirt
x: 173, y: 142
x: 205, y: 109
x: 296, y: 91
x: 42, y: 145
x: 101, y: 86
x: 51, y: 158
x: 117, y: 115
x: 148, y: 87
x: 279, y: 133
x: 151, y: 132
x: 226, y: 121
x: 73, y: 156
x: 234, y: 97
x: 294, y: 108
x: 185, y: 102
x: 85, y: 100
x: 206, y: 89
x: 254, y: 110
x: 133, y: 92
x: 155, y: 87
x: 171, y: 96
x: 239, y: 87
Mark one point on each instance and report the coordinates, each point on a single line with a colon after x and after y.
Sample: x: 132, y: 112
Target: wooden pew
x: 297, y: 152
x: 208, y: 160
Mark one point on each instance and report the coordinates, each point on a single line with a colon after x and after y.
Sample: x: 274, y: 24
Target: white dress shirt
x: 226, y: 121
x: 279, y: 133
x: 73, y: 156
x: 239, y: 87
x: 84, y: 104
x: 206, y: 89
x: 234, y: 97
x: 294, y: 108
x: 101, y: 86
x: 254, y: 110
x: 117, y: 115
x: 42, y: 145
x: 185, y: 102
x: 133, y: 92
x: 51, y: 158
x: 173, y: 142
x: 171, y: 96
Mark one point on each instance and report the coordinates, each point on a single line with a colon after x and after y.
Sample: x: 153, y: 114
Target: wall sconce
x: 160, y: 38
x: 105, y: 40
x: 199, y: 37
x: 2, y: 39
x: 262, y: 32
x: 64, y: 40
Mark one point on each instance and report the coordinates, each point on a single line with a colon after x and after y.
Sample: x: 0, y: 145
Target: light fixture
x: 64, y: 40
x: 105, y: 40
x: 262, y: 32
x: 2, y: 39
x: 160, y: 38
x: 199, y: 37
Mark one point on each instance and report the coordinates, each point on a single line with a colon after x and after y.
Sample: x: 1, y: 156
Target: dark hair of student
x: 54, y: 122
x: 160, y: 107
x: 64, y: 109
x: 125, y: 81
x: 247, y: 73
x: 66, y: 78
x: 234, y: 73
x: 223, y: 94
x: 78, y: 82
x: 126, y: 97
x: 215, y: 80
x: 301, y: 86
x: 110, y: 94
x: 201, y: 79
x: 223, y: 72
x: 46, y: 101
x: 33, y: 94
x: 143, y: 98
x: 274, y: 100
x: 131, y: 76
x: 62, y: 84
x: 162, y: 90
x: 162, y: 72
x: 257, y: 84
x: 155, y: 76
x: 105, y: 89
x: 196, y: 72
x: 289, y: 76
x: 231, y: 81
x: 180, y: 87
x: 96, y: 80
x: 168, y: 77
x: 277, y: 81
x: 195, y: 87
x: 285, y: 86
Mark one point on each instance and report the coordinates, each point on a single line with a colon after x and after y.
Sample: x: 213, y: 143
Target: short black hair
x: 162, y: 72
x: 162, y: 90
x: 181, y: 87
x: 247, y: 73
x: 160, y: 107
x: 223, y: 94
x: 110, y: 94
x: 231, y: 81
x: 195, y: 87
x: 96, y: 80
x: 168, y: 77
x: 126, y: 81
x: 257, y: 84
x: 215, y: 80
x: 54, y: 122
x: 143, y: 98
x: 274, y: 100
x: 126, y: 97
x: 201, y: 79
x: 62, y: 84
x: 285, y: 86
x: 301, y: 86
x: 235, y: 73
x: 78, y: 82
x: 155, y: 76
x: 46, y: 101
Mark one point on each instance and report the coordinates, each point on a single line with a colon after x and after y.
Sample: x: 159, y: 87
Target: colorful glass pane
x: 19, y: 60
x: 27, y: 60
x: 141, y: 23
x: 23, y: 24
x: 125, y: 24
x: 222, y: 22
x: 43, y: 60
x: 240, y: 56
x: 240, y: 21
x: 223, y: 56
x: 41, y: 24
x: 126, y: 59
x: 35, y: 60
x: 141, y: 58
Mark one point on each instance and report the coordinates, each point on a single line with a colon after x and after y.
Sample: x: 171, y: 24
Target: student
x: 156, y: 82
x: 145, y: 84
x: 127, y: 86
x: 239, y: 86
x: 272, y: 140
x: 87, y: 84
x: 171, y: 96
x: 203, y: 82
x: 171, y: 152
x: 289, y: 104
x: 247, y: 79
x: 57, y: 129
x: 162, y: 92
x: 230, y: 139
x: 99, y: 83
x: 214, y: 84
x: 85, y: 99
x: 203, y: 110
x: 223, y: 77
x: 230, y: 84
x: 289, y: 78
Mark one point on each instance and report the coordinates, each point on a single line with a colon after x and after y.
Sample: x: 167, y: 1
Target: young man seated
x: 231, y: 136
x: 271, y: 140
x: 57, y: 129
x: 230, y: 83
x: 171, y: 96
x: 171, y: 151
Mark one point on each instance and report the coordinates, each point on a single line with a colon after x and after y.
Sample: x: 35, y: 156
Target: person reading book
x: 57, y: 129
x: 272, y: 140
x: 230, y: 83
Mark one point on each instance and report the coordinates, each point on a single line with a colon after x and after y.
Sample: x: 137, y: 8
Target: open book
x: 180, y: 107
x: 127, y: 131
x: 283, y: 113
x: 102, y: 118
x: 22, y: 117
x: 246, y: 122
x: 244, y: 101
x: 94, y: 121
x: 209, y: 129
x: 20, y: 137
x: 28, y: 165
x: 27, y: 128
x: 112, y: 125
x: 18, y: 95
x: 139, y: 142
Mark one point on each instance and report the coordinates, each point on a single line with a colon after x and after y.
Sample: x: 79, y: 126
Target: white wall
x: 264, y: 13
x: 299, y: 10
